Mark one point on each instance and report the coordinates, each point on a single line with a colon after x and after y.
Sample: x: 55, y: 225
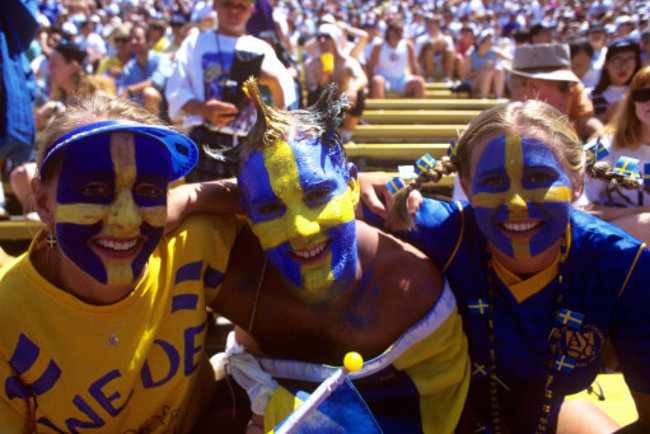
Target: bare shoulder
x: 401, y: 267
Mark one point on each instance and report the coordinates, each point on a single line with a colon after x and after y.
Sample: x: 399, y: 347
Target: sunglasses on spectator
x: 641, y: 95
x: 324, y: 35
x: 121, y: 40
x: 620, y: 62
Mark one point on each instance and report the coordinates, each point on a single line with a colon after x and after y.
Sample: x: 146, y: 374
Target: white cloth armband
x: 247, y: 372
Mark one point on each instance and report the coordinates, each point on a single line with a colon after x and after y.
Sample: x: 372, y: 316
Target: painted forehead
x: 104, y: 157
x: 497, y: 155
x: 309, y: 160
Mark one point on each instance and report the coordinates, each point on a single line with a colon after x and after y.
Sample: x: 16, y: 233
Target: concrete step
x: 431, y: 104
x: 430, y: 132
x: 382, y: 116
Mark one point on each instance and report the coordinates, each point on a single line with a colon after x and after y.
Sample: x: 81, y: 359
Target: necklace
x: 112, y: 339
x: 556, y: 364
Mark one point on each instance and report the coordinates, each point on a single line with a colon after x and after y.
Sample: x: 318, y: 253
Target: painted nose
x: 517, y: 202
x: 300, y: 226
x: 123, y: 213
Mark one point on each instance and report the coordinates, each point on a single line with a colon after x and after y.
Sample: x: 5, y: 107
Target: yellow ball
x: 353, y: 361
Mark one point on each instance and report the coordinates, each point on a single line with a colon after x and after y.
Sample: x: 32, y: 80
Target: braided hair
x: 519, y: 118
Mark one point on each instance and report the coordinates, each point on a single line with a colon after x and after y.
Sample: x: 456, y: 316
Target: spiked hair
x: 319, y: 121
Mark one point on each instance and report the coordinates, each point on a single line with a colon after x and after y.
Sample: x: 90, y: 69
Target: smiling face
x: 301, y: 205
x: 620, y: 67
x: 521, y: 195
x: 111, y: 204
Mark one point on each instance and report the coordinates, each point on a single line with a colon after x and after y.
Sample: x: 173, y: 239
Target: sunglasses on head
x: 641, y: 95
x: 121, y: 40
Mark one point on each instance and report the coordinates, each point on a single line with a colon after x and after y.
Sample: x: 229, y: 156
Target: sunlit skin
x: 111, y: 205
x: 521, y: 196
x: 61, y: 71
x: 301, y: 206
x: 233, y: 15
x: 580, y: 63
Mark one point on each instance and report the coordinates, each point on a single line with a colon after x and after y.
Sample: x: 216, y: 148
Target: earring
x: 50, y: 241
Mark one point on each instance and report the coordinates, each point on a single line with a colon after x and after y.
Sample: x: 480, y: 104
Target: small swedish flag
x: 646, y: 174
x: 424, y: 163
x: 597, y: 151
x: 479, y: 428
x: 451, y: 151
x: 627, y: 166
x: 564, y: 363
x: 570, y: 318
x: 478, y: 306
x: 394, y: 185
x: 479, y: 370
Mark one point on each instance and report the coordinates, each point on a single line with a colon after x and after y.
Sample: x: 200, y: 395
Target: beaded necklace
x: 556, y: 362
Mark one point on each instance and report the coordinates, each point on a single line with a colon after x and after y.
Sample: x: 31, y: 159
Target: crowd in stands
x: 112, y: 100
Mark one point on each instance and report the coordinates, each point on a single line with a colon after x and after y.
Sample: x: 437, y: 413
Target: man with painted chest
x: 308, y: 283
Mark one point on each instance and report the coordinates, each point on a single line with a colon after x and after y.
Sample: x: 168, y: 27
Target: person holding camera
x: 205, y: 93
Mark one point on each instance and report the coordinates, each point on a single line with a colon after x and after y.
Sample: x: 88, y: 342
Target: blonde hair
x: 89, y: 110
x: 625, y: 125
x: 530, y: 118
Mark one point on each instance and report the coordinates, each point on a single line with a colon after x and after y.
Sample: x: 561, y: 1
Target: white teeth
x: 520, y: 227
x: 114, y: 245
x: 306, y: 254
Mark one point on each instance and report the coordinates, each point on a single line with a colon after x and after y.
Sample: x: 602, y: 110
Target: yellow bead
x: 353, y: 361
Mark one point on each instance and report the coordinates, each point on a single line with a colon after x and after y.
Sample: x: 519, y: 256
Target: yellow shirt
x: 60, y: 375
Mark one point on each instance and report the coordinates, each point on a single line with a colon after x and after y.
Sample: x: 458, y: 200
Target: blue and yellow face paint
x: 300, y: 201
x: 521, y: 196
x: 112, y: 204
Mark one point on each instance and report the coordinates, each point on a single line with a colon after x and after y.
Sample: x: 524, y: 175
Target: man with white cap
x: 204, y: 90
x: 334, y: 66
x: 543, y: 72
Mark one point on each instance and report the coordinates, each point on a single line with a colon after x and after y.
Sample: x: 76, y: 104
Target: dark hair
x: 615, y: 47
x: 71, y: 51
x: 580, y: 45
x: 320, y: 120
x: 521, y: 36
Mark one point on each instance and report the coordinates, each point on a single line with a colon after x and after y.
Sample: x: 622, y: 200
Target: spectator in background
x: 628, y: 134
x: 114, y: 65
x: 18, y: 28
x: 144, y: 76
x: 69, y: 82
x: 435, y: 51
x: 622, y: 61
x: 393, y: 65
x: 465, y: 44
x: 91, y: 42
x: 157, y: 39
x: 483, y: 68
x: 625, y: 25
x: 543, y: 72
x: 178, y: 24
x: 512, y: 25
x: 645, y: 48
x: 333, y: 66
x: 597, y: 39
x: 581, y: 56
x: 541, y: 33
x: 204, y: 91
